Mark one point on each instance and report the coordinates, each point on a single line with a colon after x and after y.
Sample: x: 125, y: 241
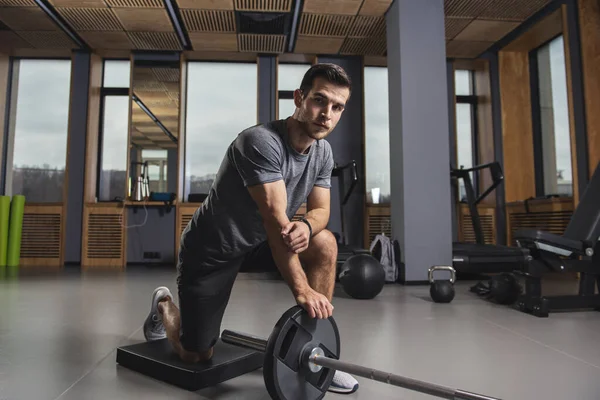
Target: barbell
x: 302, y: 355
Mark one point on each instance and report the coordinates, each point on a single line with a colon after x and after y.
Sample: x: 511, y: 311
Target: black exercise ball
x: 441, y: 291
x: 362, y: 276
x: 504, y: 288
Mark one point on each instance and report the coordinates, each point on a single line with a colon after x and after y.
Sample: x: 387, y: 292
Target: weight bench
x: 158, y: 360
x: 577, y: 250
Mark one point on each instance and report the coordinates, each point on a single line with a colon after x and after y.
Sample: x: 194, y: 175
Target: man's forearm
x: 318, y: 219
x: 286, y: 261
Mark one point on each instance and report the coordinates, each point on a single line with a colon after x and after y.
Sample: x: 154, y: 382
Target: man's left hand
x: 296, y: 236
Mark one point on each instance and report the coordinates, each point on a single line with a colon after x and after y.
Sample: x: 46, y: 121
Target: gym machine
x: 479, y: 257
x: 576, y: 251
x: 346, y: 250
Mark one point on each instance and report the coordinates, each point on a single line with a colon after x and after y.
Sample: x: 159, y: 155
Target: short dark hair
x: 331, y: 72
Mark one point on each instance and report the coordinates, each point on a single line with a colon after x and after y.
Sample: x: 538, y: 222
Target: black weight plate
x: 284, y: 378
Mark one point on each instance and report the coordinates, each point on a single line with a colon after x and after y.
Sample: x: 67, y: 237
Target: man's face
x: 320, y: 109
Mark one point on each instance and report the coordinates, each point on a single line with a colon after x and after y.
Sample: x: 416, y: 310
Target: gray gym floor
x: 59, y: 332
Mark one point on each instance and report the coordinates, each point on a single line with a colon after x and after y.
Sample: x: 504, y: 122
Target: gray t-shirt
x: 228, y: 223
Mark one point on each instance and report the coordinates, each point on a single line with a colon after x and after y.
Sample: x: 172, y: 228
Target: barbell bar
x: 313, y: 359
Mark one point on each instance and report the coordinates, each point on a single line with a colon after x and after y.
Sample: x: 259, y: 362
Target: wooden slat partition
x: 487, y: 215
x: 185, y: 211
x: 589, y: 25
x: 378, y: 220
x: 41, y: 237
x: 551, y: 215
x: 104, y: 239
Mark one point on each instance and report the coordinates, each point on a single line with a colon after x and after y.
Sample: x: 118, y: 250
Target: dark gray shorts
x: 204, y: 289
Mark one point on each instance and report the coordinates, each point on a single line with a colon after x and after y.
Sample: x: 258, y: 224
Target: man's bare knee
x: 323, y: 248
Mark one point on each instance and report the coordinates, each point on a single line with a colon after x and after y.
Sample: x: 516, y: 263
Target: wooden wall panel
x: 483, y: 91
x: 539, y: 34
x: 185, y: 211
x: 104, y: 243
x: 4, y: 67
x: 93, y: 125
x: 41, y: 242
x: 487, y: 216
x: 378, y: 220
x: 550, y: 215
x: 589, y: 25
x: 517, y: 132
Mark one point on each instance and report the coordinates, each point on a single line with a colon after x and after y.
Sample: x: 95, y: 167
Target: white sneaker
x: 153, y: 325
x: 343, y: 383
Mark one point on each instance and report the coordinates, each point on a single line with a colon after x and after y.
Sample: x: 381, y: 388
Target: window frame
x: 472, y: 100
x: 536, y: 118
x: 182, y: 162
x: 287, y: 94
x: 104, y: 93
x: 9, y: 136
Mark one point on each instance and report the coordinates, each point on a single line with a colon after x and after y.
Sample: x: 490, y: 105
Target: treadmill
x: 346, y: 250
x: 479, y: 257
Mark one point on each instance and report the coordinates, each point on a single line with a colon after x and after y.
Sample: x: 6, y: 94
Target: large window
x: 115, y: 114
x: 39, y: 123
x: 221, y: 102
x: 466, y: 156
x: 553, y: 145
x: 377, y: 135
x: 289, y: 78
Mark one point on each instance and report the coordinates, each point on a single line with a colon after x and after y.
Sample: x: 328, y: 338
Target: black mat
x: 158, y: 360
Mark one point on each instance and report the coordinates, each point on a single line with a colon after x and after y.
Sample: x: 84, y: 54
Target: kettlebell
x: 442, y: 291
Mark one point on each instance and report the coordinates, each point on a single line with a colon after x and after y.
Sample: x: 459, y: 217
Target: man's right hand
x: 315, y: 304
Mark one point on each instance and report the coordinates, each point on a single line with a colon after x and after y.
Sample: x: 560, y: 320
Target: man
x: 268, y: 171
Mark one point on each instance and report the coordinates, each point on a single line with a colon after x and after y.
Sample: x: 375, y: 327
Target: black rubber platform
x: 158, y: 360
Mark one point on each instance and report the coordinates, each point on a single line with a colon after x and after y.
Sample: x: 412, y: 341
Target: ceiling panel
x: 356, y: 27
x: 206, y: 4
x: 342, y: 7
x: 79, y: 3
x: 91, y: 19
x: 325, y: 25
x: 107, y: 40
x: 486, y: 30
x: 364, y: 46
x: 10, y: 40
x: 136, y: 3
x: 466, y: 49
x: 263, y: 5
x: 512, y: 10
x: 214, y: 41
x: 26, y: 19
x: 368, y: 27
x: 209, y: 20
x: 319, y: 45
x: 374, y: 8
x: 261, y: 43
x: 465, y: 8
x: 455, y: 25
x: 154, y: 40
x: 48, y: 39
x: 17, y: 3
x: 144, y: 19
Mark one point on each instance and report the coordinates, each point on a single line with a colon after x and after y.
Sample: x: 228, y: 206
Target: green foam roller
x: 4, y: 223
x: 15, y: 230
